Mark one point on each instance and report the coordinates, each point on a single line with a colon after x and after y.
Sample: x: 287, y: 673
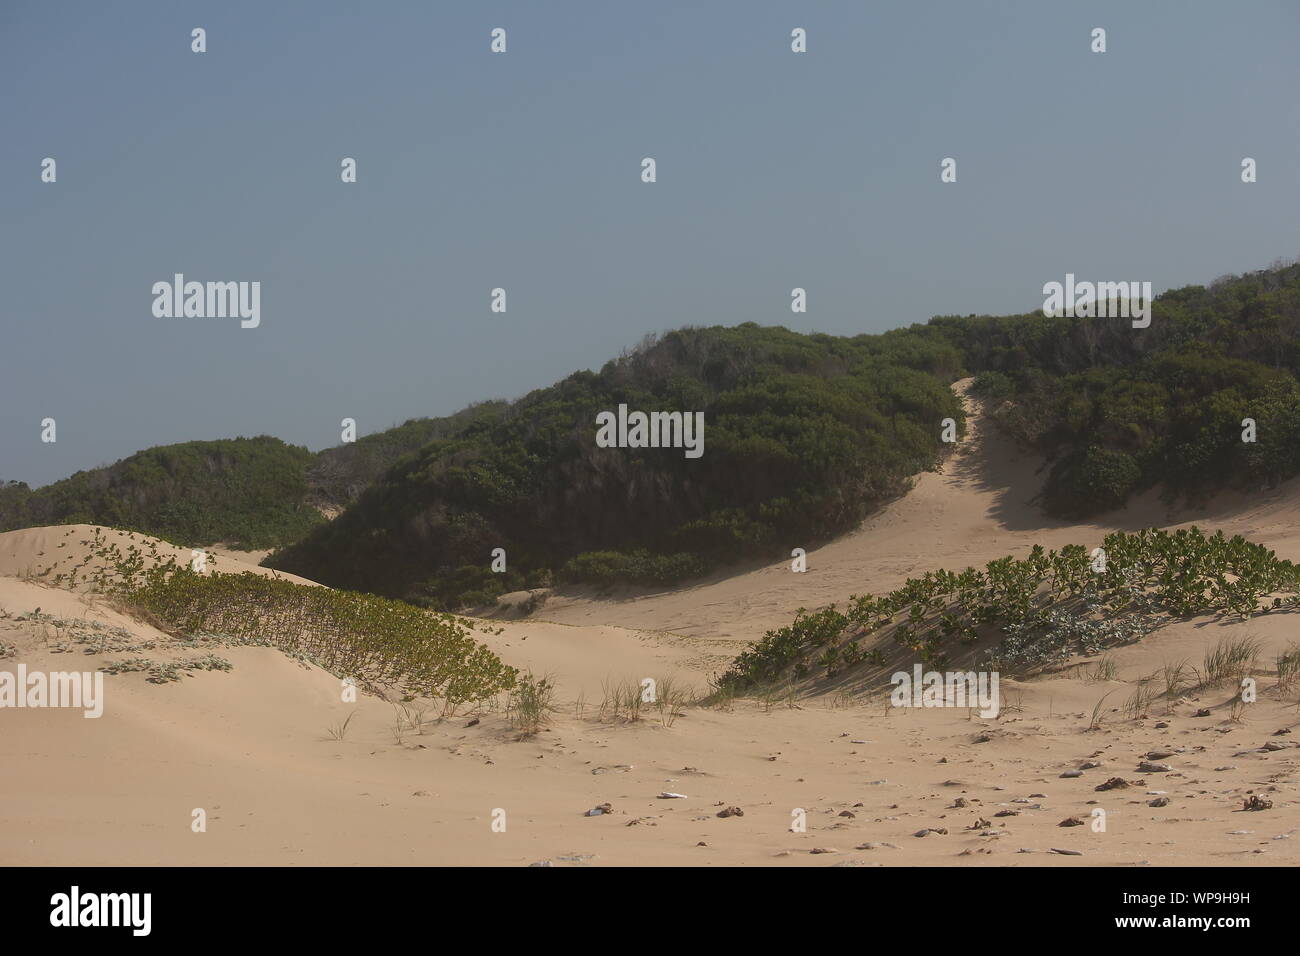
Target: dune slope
x: 979, y: 507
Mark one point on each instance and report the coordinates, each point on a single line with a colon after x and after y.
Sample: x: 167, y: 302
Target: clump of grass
x: 340, y: 730
x: 1139, y: 702
x: 1288, y: 667
x: 531, y: 702
x: 620, y: 700
x: 1104, y: 670
x: 723, y: 692
x: 1230, y: 660
x: 1176, y: 677
x: 769, y: 695
x: 1013, y: 702
x: 670, y: 697
x: 411, y: 714
x: 1096, y: 721
x: 843, y: 699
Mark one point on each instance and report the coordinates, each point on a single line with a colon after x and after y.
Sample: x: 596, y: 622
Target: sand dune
x: 42, y: 553
x: 252, y: 747
x: 978, y: 508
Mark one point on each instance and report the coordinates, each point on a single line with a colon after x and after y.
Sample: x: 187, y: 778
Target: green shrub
x: 994, y: 385
x: 1041, y: 608
x: 608, y: 568
x: 1096, y: 479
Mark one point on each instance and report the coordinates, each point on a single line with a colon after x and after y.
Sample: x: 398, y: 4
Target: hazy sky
x: 522, y: 170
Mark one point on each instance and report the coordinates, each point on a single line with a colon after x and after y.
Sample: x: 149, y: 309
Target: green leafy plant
x: 1042, y: 609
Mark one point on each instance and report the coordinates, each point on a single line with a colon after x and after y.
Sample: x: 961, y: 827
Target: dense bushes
x: 338, y: 475
x: 253, y: 492
x: 803, y: 435
x: 806, y: 433
x: 607, y: 568
x: 1092, y: 480
x: 247, y: 490
x: 1104, y: 399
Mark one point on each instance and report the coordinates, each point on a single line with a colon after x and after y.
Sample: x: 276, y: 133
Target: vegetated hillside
x: 254, y: 492
x: 1121, y: 410
x: 247, y: 490
x: 338, y: 475
x: 804, y: 434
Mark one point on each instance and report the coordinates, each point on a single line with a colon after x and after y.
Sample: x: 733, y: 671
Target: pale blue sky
x: 522, y: 170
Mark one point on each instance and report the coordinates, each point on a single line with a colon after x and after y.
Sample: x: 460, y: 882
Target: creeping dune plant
x: 1044, y: 607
